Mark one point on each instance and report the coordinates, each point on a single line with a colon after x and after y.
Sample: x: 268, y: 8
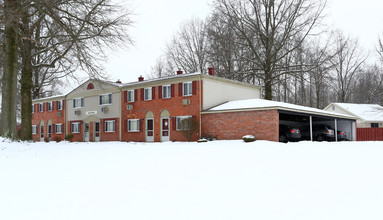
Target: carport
x: 306, y: 121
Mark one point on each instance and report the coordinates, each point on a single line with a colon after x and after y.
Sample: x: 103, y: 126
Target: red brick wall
x: 46, y: 115
x: 173, y: 105
x: 264, y: 125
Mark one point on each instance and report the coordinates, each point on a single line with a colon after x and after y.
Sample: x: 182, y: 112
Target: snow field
x: 214, y: 180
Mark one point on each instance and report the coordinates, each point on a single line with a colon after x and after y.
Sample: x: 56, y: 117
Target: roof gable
x: 93, y: 87
x: 366, y: 112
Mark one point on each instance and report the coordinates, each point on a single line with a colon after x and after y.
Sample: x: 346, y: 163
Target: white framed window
x: 106, y: 99
x: 50, y: 106
x: 75, y: 127
x: 34, y: 129
x: 60, y: 105
x: 166, y: 91
x: 179, y: 119
x: 133, y: 125
x: 78, y: 102
x: 187, y: 88
x: 148, y: 94
x: 33, y: 108
x: 130, y: 95
x: 59, y: 128
x: 110, y: 126
x: 41, y: 107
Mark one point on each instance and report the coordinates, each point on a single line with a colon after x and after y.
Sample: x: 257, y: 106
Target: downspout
x: 120, y: 109
x: 200, y: 106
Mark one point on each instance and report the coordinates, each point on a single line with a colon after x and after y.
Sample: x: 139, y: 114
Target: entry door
x: 97, y: 131
x: 49, y: 132
x: 86, y: 131
x: 150, y: 130
x: 42, y: 133
x: 165, y: 133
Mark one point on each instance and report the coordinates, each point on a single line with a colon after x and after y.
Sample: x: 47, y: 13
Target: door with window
x: 41, y: 132
x: 96, y: 131
x: 49, y: 132
x: 86, y: 131
x: 149, y: 129
x: 165, y: 133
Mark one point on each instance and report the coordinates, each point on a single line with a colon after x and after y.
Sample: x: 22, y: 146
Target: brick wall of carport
x: 263, y: 124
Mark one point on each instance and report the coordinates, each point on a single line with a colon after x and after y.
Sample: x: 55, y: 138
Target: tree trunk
x: 10, y: 66
x: 26, y: 80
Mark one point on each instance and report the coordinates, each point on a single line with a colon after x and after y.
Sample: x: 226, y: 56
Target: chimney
x: 118, y: 81
x: 211, y: 71
x: 140, y: 78
x: 179, y: 72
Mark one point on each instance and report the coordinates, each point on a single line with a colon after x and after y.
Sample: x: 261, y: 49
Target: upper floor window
x: 187, y: 88
x: 130, y: 95
x: 34, y: 129
x: 50, y: 106
x: 374, y: 125
x: 106, y: 99
x: 90, y: 86
x: 110, y: 126
x: 148, y: 94
x: 60, y: 105
x: 41, y: 107
x: 75, y: 127
x: 78, y: 102
x: 133, y: 125
x: 166, y: 91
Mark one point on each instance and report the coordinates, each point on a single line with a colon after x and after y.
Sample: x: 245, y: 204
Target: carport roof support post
x: 336, y: 131
x: 311, y: 128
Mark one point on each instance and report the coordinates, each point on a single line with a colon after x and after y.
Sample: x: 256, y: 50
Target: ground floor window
x: 179, y: 119
x: 34, y: 129
x: 59, y: 128
x: 133, y: 125
x: 75, y: 127
x: 374, y: 125
x: 110, y: 126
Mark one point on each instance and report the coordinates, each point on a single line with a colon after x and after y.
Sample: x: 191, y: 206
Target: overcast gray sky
x: 158, y: 20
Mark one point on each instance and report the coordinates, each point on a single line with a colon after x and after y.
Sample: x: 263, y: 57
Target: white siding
x: 217, y: 92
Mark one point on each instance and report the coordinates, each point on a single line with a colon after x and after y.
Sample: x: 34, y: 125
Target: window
x: 50, y: 106
x: 34, y: 129
x: 333, y: 107
x: 148, y: 94
x: 78, y: 102
x: 180, y: 118
x: 374, y: 125
x: 90, y: 86
x: 33, y: 108
x: 106, y: 99
x: 60, y: 105
x: 133, y: 125
x: 166, y: 92
x: 59, y: 128
x: 75, y: 127
x: 41, y: 107
x: 110, y: 126
x: 130, y: 95
x: 188, y: 88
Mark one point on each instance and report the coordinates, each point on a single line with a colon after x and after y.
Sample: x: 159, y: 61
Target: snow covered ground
x: 197, y: 181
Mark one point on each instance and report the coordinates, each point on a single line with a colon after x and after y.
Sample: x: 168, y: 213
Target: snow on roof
x: 50, y: 97
x: 162, y: 78
x: 367, y: 112
x: 262, y: 103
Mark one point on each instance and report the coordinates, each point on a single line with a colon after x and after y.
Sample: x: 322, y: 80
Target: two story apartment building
x: 145, y: 110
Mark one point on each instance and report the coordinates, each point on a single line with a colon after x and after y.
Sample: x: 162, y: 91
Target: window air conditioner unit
x: 77, y: 112
x: 104, y: 109
x: 129, y: 107
x: 186, y: 101
x: 59, y: 114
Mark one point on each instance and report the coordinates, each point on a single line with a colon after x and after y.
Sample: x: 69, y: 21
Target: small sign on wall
x: 91, y: 113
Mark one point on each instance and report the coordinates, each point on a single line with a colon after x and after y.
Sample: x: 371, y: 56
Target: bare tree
x: 268, y: 28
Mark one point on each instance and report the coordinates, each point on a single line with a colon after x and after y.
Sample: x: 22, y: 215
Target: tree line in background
x: 281, y: 45
x: 45, y: 41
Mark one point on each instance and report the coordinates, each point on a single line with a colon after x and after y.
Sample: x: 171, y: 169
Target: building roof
x: 262, y: 104
x: 366, y: 112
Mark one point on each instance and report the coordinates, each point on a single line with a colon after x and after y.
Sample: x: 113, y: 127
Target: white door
x: 86, y: 131
x: 165, y: 132
x: 96, y: 131
x: 42, y: 133
x: 149, y: 129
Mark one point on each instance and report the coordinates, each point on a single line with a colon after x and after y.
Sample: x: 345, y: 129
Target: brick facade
x: 55, y: 116
x: 264, y: 125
